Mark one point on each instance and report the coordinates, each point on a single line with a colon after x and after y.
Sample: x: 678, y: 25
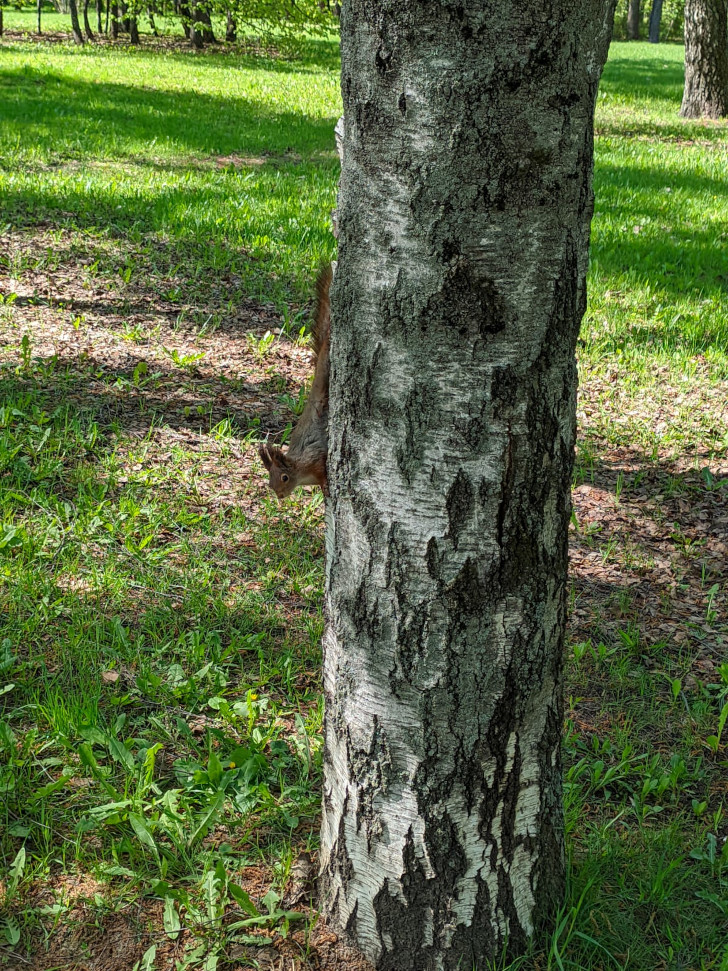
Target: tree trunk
x: 39, y: 8
x: 195, y: 28
x: 655, y: 20
x: 465, y: 207
x: 86, y: 24
x: 99, y: 12
x: 231, y: 32
x: 633, y: 20
x: 706, y: 59
x: 152, y: 24
x: 1, y: 20
x: 204, y: 21
x: 114, y: 20
x: 185, y: 19
x: 75, y: 25
x: 133, y: 30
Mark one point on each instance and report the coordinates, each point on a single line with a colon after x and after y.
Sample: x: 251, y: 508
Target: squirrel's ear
x: 265, y: 456
x: 277, y: 457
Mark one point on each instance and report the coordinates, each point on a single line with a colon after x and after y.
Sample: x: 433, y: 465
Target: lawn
x: 162, y: 214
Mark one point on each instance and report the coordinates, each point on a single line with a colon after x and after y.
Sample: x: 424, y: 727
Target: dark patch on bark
x: 467, y: 594
x: 424, y: 898
x: 383, y: 60
x: 434, y: 559
x: 467, y: 304
x: 460, y: 503
x: 420, y: 411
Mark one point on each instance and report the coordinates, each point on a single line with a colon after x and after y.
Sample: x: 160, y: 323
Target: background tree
x: 465, y: 207
x: 655, y: 20
x: 75, y: 25
x: 706, y: 59
x: 231, y: 28
x: 86, y: 24
x: 633, y: 20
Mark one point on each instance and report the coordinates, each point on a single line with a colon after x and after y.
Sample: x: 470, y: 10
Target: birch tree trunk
x: 465, y: 207
x: 706, y: 59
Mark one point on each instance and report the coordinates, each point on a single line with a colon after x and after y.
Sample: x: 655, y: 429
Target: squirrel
x: 305, y: 461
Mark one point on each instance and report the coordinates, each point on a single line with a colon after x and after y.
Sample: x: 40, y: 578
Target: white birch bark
x: 464, y: 218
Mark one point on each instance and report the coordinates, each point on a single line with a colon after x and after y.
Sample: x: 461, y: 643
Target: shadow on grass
x: 644, y: 79
x: 101, y: 119
x: 119, y: 399
x: 682, y: 258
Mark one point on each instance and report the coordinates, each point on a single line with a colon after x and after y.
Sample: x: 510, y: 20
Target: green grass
x: 160, y: 617
x: 226, y: 159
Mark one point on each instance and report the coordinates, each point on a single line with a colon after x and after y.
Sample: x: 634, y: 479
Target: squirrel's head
x: 281, y: 477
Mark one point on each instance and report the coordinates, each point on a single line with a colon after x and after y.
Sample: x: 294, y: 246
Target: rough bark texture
x: 633, y: 20
x: 75, y: 25
x: 706, y: 59
x: 465, y: 207
x: 655, y: 21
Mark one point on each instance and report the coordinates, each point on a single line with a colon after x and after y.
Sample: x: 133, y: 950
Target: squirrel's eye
x: 284, y: 477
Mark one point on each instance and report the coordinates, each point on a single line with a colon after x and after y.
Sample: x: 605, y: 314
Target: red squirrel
x: 305, y: 461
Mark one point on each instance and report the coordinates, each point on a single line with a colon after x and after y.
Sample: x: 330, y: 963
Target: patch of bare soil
x: 150, y: 367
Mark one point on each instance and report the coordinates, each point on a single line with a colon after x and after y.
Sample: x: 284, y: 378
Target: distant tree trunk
x: 152, y: 25
x: 655, y: 19
x: 183, y: 11
x: 114, y: 20
x: 86, y: 24
x: 203, y: 17
x: 99, y: 11
x: 75, y: 25
x: 633, y: 20
x: 231, y: 32
x: 133, y: 29
x: 706, y: 59
x: 39, y: 8
x: 125, y: 20
x: 195, y: 31
x: 456, y: 306
x: 108, y: 11
x: 1, y: 20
